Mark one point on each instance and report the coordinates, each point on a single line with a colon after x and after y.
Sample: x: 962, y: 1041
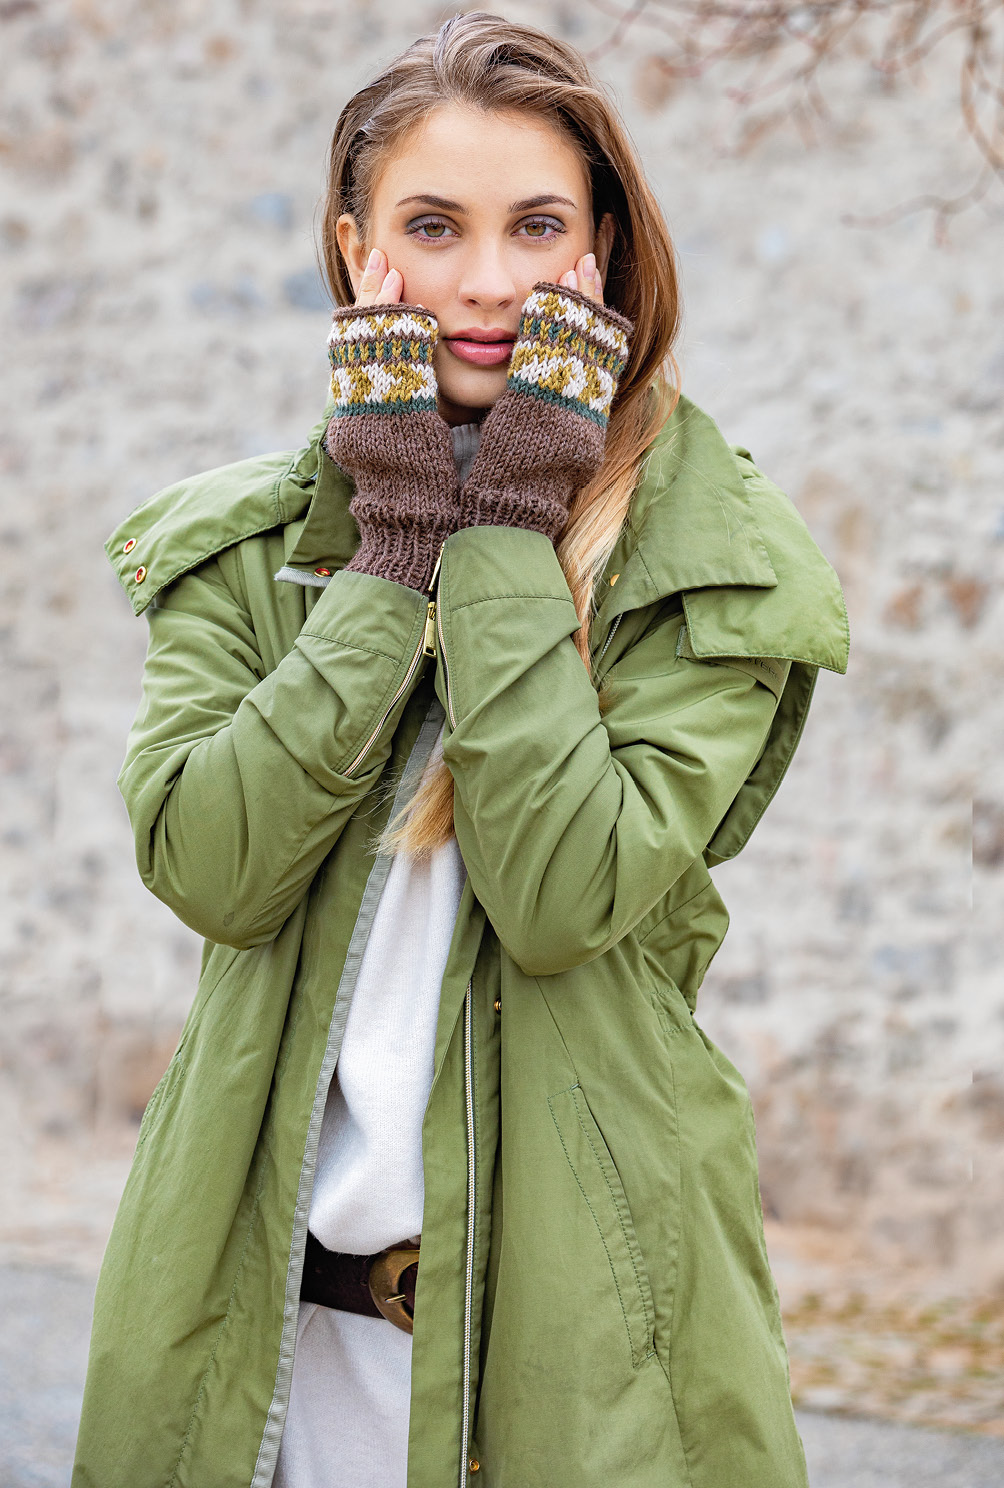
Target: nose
x: 487, y: 281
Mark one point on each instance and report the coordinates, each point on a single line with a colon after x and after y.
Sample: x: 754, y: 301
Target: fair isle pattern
x: 381, y: 360
x: 569, y: 352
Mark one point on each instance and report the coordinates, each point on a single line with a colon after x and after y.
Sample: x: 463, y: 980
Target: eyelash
x: 414, y: 229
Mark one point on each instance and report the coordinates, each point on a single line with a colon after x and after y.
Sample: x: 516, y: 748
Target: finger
x: 373, y: 276
x: 569, y: 280
x: 597, y: 279
x: 589, y: 277
x: 387, y: 291
x: 391, y: 288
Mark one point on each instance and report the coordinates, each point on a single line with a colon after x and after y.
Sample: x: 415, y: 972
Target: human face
x: 469, y: 211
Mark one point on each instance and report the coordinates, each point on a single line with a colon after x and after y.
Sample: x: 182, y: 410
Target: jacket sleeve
x: 573, y: 822
x: 238, y: 783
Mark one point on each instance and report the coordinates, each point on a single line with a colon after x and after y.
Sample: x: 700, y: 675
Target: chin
x: 474, y: 390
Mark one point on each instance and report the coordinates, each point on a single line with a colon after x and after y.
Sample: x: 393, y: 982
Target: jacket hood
x: 707, y: 524
x: 184, y: 524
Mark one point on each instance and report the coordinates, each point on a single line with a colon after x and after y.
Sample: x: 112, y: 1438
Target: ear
x: 352, y: 248
x: 604, y: 241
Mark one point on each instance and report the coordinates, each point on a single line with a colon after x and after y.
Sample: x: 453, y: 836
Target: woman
x: 445, y: 717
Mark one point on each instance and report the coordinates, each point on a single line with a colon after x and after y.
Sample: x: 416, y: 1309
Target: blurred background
x: 834, y: 192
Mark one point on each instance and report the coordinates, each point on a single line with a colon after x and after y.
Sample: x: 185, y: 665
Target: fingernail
x: 373, y: 259
x: 590, y: 264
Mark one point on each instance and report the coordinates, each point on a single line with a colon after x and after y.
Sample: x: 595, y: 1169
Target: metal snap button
x: 498, y: 1004
x: 140, y: 574
x: 474, y: 1465
x: 129, y: 545
x: 323, y: 573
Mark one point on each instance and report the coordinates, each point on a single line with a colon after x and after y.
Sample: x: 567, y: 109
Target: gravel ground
x: 848, y: 1453
x: 43, y: 1351
x: 43, y: 1355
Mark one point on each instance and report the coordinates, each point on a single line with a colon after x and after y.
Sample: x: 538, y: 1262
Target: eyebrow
x: 545, y: 199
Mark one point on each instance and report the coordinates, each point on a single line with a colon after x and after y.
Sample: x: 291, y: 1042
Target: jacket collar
x: 324, y: 535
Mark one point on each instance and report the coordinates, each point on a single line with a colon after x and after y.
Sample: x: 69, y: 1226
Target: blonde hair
x: 484, y: 62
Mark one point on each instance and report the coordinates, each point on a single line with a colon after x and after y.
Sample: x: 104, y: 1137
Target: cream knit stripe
x: 401, y: 388
x: 563, y: 378
x: 385, y: 321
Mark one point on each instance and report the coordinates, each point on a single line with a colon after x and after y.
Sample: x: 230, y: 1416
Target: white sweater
x: 347, y: 1422
x: 368, y: 1188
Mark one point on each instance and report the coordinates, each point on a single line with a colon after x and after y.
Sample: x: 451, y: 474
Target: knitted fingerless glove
x: 543, y: 438
x: 387, y: 434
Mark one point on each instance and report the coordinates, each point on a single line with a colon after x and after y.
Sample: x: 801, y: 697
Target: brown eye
x: 540, y: 230
x: 430, y: 230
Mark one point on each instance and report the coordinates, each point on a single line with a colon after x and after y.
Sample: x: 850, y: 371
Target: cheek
x: 428, y: 278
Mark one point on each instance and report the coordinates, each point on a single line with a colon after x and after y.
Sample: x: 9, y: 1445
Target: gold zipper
x: 392, y: 704
x: 469, y: 1269
x: 427, y: 648
x: 430, y: 619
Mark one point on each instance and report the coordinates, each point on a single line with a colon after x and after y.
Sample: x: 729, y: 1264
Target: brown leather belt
x: 381, y: 1285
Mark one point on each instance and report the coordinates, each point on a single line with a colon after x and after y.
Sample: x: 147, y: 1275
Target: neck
x: 458, y: 413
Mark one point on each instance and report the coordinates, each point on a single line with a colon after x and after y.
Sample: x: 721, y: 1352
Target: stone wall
x: 162, y: 315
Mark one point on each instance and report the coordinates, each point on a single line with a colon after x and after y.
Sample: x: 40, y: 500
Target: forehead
x: 483, y: 160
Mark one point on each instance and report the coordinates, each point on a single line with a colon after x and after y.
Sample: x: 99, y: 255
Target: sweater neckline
x: 466, y: 438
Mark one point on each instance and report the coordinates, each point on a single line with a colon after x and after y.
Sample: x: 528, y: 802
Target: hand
x: 585, y: 278
x: 380, y: 284
x: 544, y: 438
x: 385, y: 430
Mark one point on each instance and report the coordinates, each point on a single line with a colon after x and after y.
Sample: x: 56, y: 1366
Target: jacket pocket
x: 161, y: 1096
x: 601, y: 1188
x: 167, y: 1086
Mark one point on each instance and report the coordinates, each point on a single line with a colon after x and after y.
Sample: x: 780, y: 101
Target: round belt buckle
x: 385, y: 1275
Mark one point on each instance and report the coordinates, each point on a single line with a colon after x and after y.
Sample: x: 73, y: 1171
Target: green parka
x: 594, y: 1306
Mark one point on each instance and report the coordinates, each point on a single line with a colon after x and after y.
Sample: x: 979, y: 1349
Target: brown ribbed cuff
x: 533, y: 459
x: 405, y: 556
x: 406, y: 499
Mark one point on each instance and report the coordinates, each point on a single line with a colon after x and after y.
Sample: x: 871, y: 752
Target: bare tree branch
x: 791, y: 42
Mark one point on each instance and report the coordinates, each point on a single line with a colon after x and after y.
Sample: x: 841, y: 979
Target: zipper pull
x: 430, y: 630
x: 435, y: 571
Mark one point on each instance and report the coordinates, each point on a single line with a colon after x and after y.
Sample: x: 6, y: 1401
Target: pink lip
x: 482, y: 348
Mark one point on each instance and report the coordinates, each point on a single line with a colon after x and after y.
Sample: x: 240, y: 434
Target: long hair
x: 484, y: 62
